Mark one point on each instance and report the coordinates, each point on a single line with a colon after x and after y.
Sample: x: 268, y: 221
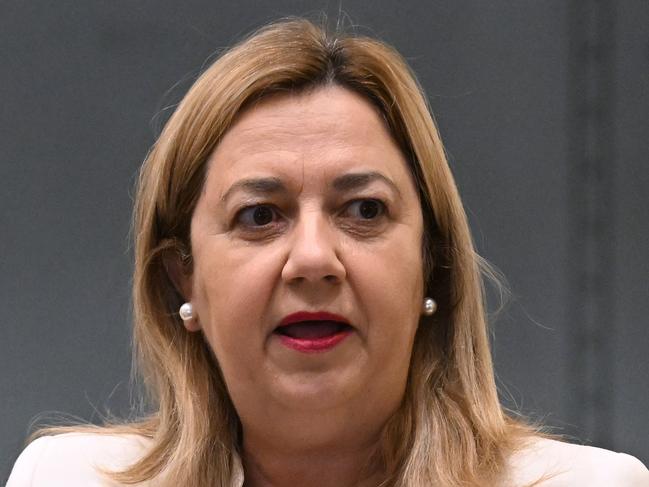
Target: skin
x: 309, y: 418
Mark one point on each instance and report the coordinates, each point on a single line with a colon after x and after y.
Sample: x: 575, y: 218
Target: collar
x: 237, y: 471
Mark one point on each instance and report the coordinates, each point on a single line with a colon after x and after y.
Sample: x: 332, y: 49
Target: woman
x: 308, y: 303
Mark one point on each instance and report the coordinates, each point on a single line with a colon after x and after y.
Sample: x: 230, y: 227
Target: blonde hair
x: 450, y: 429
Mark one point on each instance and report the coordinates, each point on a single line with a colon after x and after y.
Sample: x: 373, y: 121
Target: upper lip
x: 302, y: 316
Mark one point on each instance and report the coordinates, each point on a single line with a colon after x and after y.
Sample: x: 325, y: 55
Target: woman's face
x: 307, y: 278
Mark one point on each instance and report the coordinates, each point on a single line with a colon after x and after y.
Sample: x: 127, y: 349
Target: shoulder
x: 557, y: 464
x: 75, y: 459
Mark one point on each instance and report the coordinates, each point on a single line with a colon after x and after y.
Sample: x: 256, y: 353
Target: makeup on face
x: 307, y: 265
x: 312, y: 332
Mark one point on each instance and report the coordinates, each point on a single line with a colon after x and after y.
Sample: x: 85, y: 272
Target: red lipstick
x: 302, y: 316
x: 311, y: 332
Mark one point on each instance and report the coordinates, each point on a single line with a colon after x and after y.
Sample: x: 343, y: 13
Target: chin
x: 317, y: 391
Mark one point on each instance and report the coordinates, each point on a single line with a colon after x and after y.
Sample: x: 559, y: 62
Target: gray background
x: 543, y: 107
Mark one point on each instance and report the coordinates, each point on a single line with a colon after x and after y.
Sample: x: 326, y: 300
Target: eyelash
x: 250, y: 210
x: 382, y: 208
x: 250, y: 226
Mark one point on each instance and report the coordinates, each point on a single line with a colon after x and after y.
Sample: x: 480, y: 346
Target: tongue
x: 311, y: 329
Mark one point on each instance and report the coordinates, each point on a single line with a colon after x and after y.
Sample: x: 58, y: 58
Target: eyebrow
x: 344, y: 183
x: 256, y: 185
x: 354, y: 181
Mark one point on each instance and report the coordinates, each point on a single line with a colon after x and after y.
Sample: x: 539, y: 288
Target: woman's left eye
x: 367, y: 210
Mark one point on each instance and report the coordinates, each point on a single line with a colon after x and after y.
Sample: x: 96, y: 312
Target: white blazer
x: 72, y: 460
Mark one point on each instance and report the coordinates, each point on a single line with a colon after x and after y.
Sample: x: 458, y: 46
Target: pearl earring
x: 186, y: 312
x: 430, y: 306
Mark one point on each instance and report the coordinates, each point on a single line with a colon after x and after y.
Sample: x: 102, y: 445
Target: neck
x: 278, y: 465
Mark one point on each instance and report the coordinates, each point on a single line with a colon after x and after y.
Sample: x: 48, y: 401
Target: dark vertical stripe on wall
x: 591, y: 159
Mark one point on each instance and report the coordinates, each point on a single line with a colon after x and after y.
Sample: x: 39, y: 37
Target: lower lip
x: 313, y: 345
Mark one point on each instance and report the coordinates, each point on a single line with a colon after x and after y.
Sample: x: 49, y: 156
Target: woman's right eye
x: 256, y: 216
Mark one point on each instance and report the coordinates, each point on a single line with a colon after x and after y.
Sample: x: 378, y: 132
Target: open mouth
x: 312, y: 330
x: 309, y: 334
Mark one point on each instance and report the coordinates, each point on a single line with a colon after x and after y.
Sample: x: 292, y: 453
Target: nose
x: 313, y: 254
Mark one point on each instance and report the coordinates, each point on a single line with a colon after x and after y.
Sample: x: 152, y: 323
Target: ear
x: 179, y: 274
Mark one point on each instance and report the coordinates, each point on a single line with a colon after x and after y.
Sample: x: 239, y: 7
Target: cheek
x: 233, y: 289
x: 388, y: 281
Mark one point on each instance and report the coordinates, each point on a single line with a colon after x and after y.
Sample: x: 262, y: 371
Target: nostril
x: 327, y: 268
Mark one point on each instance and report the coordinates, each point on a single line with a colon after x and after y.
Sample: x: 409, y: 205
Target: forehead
x: 328, y: 130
